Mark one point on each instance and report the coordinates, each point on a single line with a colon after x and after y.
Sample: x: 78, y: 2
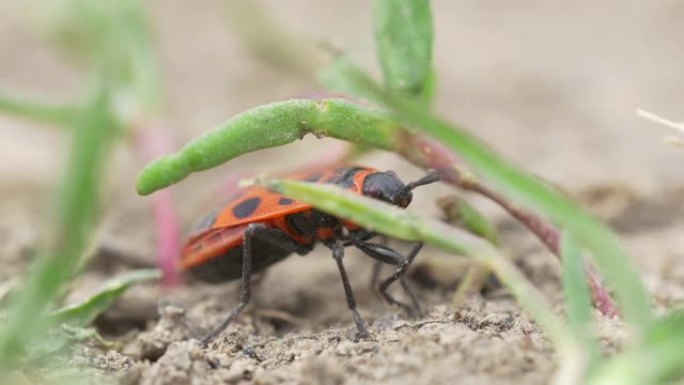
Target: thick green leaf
x: 267, y: 126
x: 83, y: 313
x: 403, y: 40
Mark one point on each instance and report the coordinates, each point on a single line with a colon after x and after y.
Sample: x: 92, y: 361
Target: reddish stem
x: 151, y: 142
x: 428, y: 153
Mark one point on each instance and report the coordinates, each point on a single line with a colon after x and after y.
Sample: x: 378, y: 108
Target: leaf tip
x: 160, y: 173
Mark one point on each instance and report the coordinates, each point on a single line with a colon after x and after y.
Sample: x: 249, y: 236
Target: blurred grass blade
x: 577, y: 297
x: 111, y: 38
x: 56, y: 341
x: 390, y: 220
x: 460, y: 212
x: 657, y: 360
x: 83, y: 313
x: 403, y: 40
x: 75, y: 214
x: 38, y: 111
x: 664, y: 342
x: 269, y: 40
x: 609, y: 255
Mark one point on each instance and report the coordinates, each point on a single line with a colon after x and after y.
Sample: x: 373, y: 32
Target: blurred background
x: 552, y: 85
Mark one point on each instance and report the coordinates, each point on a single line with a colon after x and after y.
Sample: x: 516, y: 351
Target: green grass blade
x: 658, y: 359
x: 271, y: 41
x: 392, y: 221
x: 112, y: 38
x: 462, y: 213
x: 607, y: 251
x: 664, y: 342
x: 83, y: 313
x: 403, y: 42
x: 578, y: 297
x: 42, y: 112
x: 76, y: 210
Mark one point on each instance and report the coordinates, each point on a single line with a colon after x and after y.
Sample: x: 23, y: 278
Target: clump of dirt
x: 439, y: 348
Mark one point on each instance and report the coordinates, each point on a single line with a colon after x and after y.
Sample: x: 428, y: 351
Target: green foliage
x: 68, y: 324
x: 41, y: 112
x: 460, y: 212
x: 112, y: 42
x: 606, y: 249
x: 53, y: 343
x: 269, y: 126
x: 657, y: 359
x: 76, y: 211
x: 111, y: 39
x: 83, y: 313
x: 403, y: 39
x: 577, y: 297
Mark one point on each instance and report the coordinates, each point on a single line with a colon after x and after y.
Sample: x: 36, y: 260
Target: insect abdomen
x: 228, y: 267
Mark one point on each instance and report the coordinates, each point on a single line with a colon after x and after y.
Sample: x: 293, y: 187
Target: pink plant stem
x: 152, y: 142
x: 600, y: 295
x: 431, y: 154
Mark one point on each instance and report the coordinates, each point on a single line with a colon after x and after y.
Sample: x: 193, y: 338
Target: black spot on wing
x: 284, y: 201
x: 245, y: 208
x: 344, y: 176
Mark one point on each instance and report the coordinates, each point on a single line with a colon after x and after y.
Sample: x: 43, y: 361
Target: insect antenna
x: 431, y: 177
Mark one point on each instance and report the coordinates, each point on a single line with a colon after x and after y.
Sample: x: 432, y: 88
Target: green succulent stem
x: 268, y: 126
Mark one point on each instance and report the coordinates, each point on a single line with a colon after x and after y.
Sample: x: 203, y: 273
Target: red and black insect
x: 259, y: 228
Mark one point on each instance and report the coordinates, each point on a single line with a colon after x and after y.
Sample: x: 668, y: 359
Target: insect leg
x: 389, y: 256
x: 265, y: 234
x: 377, y: 267
x: 338, y: 254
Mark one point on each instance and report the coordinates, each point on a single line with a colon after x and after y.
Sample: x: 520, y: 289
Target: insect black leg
x: 387, y: 255
x: 266, y: 234
x: 375, y: 274
x: 410, y: 257
x: 377, y: 266
x: 338, y: 254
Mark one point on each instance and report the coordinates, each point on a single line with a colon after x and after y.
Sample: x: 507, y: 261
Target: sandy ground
x: 552, y: 85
